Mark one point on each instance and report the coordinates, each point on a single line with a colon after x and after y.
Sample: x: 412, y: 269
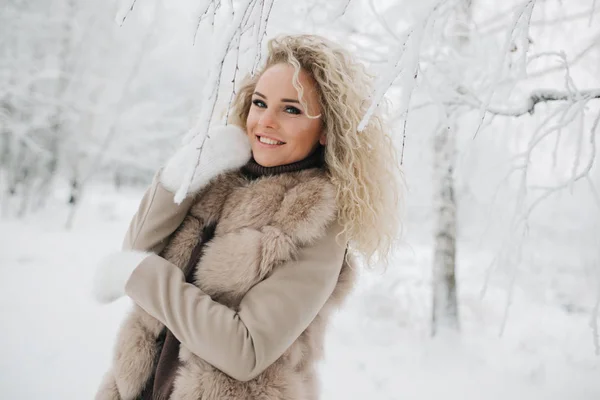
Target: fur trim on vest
x: 260, y: 225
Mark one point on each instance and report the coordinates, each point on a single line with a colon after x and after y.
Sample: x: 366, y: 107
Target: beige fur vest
x: 287, y: 211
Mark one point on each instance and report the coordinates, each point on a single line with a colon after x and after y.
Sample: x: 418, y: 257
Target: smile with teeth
x: 265, y: 140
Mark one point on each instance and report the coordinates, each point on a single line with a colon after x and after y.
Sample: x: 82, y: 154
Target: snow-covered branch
x: 403, y: 62
x: 202, y: 11
x: 580, y: 15
x: 243, y: 19
x: 536, y: 97
x: 520, y: 21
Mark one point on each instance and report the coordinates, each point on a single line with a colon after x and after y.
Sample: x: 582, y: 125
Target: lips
x: 269, y: 140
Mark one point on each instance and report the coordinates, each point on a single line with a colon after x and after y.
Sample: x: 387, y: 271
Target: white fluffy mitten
x: 112, y: 274
x: 226, y: 148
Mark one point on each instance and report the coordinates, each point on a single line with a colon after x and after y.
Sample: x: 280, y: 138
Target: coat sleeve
x: 271, y: 316
x: 157, y: 217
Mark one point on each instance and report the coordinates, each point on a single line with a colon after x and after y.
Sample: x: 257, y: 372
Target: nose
x: 268, y: 119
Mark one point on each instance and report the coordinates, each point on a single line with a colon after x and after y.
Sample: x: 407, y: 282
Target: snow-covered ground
x: 56, y: 342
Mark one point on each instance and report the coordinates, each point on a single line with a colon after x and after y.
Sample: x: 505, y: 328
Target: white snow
x: 56, y: 341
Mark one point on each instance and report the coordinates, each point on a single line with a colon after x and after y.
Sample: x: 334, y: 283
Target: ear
x: 323, y: 139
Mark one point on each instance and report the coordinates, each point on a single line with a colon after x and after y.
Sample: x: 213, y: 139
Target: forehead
x: 280, y: 77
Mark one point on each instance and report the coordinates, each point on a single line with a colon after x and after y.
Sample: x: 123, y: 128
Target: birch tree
x: 445, y: 303
x: 472, y: 100
x: 476, y: 64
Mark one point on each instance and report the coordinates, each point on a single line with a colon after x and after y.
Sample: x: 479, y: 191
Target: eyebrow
x: 283, y: 100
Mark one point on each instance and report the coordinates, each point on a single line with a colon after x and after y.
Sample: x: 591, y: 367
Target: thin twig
x: 237, y: 68
x: 555, y: 189
x: 592, y: 12
x: 262, y: 32
x: 383, y: 22
x: 203, y: 11
x: 126, y: 14
x: 203, y: 123
x: 567, y: 18
x: 343, y: 9
x: 497, y: 74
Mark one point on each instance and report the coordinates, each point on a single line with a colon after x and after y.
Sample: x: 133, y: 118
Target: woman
x: 234, y: 294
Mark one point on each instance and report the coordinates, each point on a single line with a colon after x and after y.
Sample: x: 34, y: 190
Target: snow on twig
x: 412, y: 38
x: 548, y: 191
x: 210, y: 92
x: 595, y: 315
x: 202, y: 10
x: 594, y: 42
x: 409, y: 82
x: 536, y: 97
x: 237, y: 68
x: 569, y: 182
x: 594, y: 325
x: 524, y: 10
x: 382, y: 21
x: 523, y: 213
x: 595, y: 193
x: 511, y: 290
x: 262, y: 32
x: 342, y: 9
x: 534, y: 141
x: 492, y: 29
x: 578, y: 148
x: 123, y: 13
x: 385, y: 82
x: 558, y: 135
x: 398, y: 63
x: 592, y: 12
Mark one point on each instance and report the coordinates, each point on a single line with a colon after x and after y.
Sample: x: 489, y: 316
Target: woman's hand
x: 113, y: 272
x: 226, y: 148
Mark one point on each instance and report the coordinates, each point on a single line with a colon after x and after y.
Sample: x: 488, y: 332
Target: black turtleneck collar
x: 316, y: 159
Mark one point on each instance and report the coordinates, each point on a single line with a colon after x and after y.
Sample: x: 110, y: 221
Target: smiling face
x: 279, y: 129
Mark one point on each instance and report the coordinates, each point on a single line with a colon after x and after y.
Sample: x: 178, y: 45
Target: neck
x: 314, y: 160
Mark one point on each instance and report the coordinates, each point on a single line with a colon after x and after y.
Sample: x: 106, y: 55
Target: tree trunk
x: 445, y: 303
x: 445, y: 314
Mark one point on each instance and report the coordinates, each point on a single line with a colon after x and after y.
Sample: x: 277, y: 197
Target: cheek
x: 250, y: 122
x: 311, y: 131
x: 305, y: 135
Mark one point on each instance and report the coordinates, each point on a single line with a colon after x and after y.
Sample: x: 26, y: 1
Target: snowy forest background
x: 495, y: 111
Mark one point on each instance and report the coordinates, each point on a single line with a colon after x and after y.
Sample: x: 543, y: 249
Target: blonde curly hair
x: 362, y: 165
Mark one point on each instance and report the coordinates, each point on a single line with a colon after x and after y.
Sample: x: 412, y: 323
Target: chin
x: 266, y: 161
x: 267, y: 157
